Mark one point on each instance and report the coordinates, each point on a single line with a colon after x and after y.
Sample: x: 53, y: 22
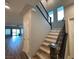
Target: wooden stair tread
x: 45, y: 43
x: 54, y: 37
x: 40, y: 55
x: 53, y: 34
x: 45, y: 50
x: 44, y: 55
x: 35, y: 57
x: 56, y: 31
x: 50, y: 40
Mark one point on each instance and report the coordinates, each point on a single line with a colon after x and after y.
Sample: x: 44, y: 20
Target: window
x: 7, y: 31
x: 15, y: 32
x: 21, y: 31
x: 51, y: 15
x: 60, y: 13
x: 18, y: 31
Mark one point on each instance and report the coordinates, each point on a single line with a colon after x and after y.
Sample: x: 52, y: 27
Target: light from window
x: 15, y: 32
x: 60, y: 13
x: 7, y: 31
x: 22, y: 31
x: 18, y: 32
x: 51, y: 15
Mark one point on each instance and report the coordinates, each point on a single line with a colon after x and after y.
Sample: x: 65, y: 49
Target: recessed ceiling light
x: 7, y: 7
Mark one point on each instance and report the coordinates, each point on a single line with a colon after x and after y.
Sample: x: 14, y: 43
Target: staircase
x: 44, y: 51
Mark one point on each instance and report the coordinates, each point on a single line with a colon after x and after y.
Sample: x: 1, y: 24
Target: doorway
x: 71, y: 36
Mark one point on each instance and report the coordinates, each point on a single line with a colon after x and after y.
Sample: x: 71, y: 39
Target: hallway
x: 37, y: 29
x: 14, y: 43
x: 13, y: 46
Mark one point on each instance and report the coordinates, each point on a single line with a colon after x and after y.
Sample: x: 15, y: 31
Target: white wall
x: 35, y: 30
x: 69, y: 13
x: 39, y: 29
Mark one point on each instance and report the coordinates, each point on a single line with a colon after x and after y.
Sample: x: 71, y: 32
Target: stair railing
x: 47, y: 18
x: 57, y: 50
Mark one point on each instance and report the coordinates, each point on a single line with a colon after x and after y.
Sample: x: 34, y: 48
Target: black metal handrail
x: 42, y: 13
x: 48, y: 18
x: 57, y: 50
x: 44, y: 8
x: 63, y: 44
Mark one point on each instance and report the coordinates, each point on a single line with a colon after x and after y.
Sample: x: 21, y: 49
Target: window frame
x: 8, y: 34
x: 51, y: 13
x: 60, y: 11
x: 16, y: 32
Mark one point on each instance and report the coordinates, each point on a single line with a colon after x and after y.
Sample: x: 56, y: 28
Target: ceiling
x: 51, y: 4
x: 14, y: 15
x: 17, y: 7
